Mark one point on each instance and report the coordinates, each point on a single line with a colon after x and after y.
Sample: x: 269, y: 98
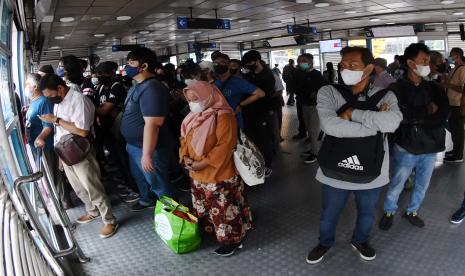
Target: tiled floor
x: 287, y: 213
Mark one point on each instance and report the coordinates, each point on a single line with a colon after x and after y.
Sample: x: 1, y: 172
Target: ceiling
x: 268, y: 18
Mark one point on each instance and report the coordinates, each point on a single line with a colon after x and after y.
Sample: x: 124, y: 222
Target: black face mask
x: 55, y: 100
x: 441, y: 68
x: 251, y: 67
x: 233, y: 71
x: 220, y: 69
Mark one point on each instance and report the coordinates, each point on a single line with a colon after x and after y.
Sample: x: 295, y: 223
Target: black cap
x: 107, y: 67
x: 47, y: 69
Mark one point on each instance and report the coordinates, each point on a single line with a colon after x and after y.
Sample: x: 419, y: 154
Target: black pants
x: 300, y: 117
x: 456, y: 122
x: 290, y: 93
x: 261, y: 130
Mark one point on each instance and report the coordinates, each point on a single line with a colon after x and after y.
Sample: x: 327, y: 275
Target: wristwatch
x: 57, y: 121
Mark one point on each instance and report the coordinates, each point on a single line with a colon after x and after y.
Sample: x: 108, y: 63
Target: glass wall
x: 281, y: 57
x: 389, y: 47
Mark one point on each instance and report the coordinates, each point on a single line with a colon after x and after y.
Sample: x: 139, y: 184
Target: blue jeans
x: 403, y: 164
x: 156, y: 183
x: 334, y: 201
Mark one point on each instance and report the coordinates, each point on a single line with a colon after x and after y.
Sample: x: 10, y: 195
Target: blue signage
x: 297, y: 29
x: 184, y: 23
x: 197, y: 45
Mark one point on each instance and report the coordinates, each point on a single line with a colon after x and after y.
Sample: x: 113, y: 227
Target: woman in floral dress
x: 208, y: 139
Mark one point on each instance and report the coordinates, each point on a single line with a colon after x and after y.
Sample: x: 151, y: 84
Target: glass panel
x: 6, y: 94
x: 389, y: 47
x: 316, y: 58
x: 281, y: 57
x: 358, y: 42
x: 436, y: 45
x: 5, y: 24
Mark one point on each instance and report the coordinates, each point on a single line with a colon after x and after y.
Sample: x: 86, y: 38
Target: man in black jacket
x: 308, y: 82
x: 420, y: 137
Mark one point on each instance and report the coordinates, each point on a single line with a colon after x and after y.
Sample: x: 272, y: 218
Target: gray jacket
x: 364, y: 123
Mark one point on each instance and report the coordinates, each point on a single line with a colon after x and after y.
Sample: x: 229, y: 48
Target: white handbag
x: 249, y: 161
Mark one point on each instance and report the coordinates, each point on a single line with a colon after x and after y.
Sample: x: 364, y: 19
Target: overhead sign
x: 393, y: 31
x: 197, y: 45
x: 298, y: 29
x: 203, y: 23
x: 126, y: 47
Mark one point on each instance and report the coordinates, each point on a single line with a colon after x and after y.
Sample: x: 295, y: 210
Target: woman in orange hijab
x: 208, y: 139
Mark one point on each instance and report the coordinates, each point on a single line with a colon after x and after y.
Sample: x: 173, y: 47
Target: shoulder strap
x: 453, y: 73
x: 377, y: 97
x: 347, y: 95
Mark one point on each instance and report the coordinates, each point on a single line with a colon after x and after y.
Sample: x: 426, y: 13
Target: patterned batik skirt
x: 222, y: 208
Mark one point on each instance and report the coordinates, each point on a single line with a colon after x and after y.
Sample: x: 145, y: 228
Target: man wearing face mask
x: 308, y: 82
x: 235, y: 68
x: 259, y: 117
x: 354, y: 157
x: 454, y: 86
x: 74, y: 114
x: 149, y: 140
x: 420, y: 137
x: 235, y: 89
x: 438, y: 67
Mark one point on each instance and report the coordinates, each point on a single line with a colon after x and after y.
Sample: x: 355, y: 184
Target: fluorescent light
x: 196, y: 32
x: 327, y: 29
x: 67, y: 19
x: 303, y: 1
x: 256, y: 35
x: 244, y: 21
x: 322, y: 5
x: 390, y: 23
x: 375, y: 19
x: 99, y: 35
x: 47, y: 19
x: 458, y: 13
x: 59, y: 37
x: 350, y: 12
x: 447, y: 2
x: 239, y: 41
x: 123, y: 18
x: 144, y: 32
x: 461, y: 19
x: 55, y: 47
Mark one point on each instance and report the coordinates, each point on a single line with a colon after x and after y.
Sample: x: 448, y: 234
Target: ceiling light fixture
x: 390, y: 23
x: 55, y: 47
x: 303, y: 1
x: 239, y: 41
x: 123, y: 18
x: 447, y: 2
x: 196, y: 32
x: 144, y: 32
x: 59, y: 37
x: 256, y: 35
x: 458, y: 13
x: 244, y: 21
x: 350, y: 12
x: 99, y: 35
x: 322, y: 5
x: 375, y: 19
x: 67, y: 19
x: 327, y: 29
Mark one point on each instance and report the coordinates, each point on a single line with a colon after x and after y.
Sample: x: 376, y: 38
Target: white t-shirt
x: 75, y: 108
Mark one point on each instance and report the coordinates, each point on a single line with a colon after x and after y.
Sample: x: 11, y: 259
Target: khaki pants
x: 312, y: 124
x: 84, y: 177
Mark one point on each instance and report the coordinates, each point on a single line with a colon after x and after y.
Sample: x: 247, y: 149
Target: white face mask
x: 28, y: 93
x: 179, y: 78
x: 245, y: 71
x: 196, y: 107
x: 94, y: 80
x: 422, y: 70
x: 189, y: 81
x: 351, y: 77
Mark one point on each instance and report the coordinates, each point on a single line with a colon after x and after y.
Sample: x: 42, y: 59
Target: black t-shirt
x: 115, y: 94
x: 308, y: 84
x: 265, y: 81
x: 147, y: 99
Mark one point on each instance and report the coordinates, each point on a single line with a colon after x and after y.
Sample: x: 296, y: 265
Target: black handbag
x: 72, y: 149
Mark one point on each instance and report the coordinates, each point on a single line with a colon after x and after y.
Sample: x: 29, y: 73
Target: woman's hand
x: 198, y: 166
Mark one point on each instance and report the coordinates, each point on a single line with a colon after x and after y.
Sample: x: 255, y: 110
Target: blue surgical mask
x: 304, y: 66
x: 450, y: 60
x: 131, y: 72
x: 60, y: 72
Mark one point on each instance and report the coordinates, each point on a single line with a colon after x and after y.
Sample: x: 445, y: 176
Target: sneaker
x: 310, y: 159
x: 139, y: 207
x: 299, y: 137
x: 317, y: 254
x: 268, y: 172
x: 130, y: 197
x: 386, y: 221
x: 414, y: 219
x: 228, y: 249
x: 458, y: 216
x: 108, y: 230
x: 367, y: 252
x: 452, y: 159
x: 86, y: 218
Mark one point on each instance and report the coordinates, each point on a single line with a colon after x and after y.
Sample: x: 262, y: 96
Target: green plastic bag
x: 176, y: 226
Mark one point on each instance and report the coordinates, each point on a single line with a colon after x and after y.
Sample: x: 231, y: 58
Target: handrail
x: 62, y: 216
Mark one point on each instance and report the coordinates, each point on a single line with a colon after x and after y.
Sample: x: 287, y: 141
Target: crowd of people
x: 368, y: 125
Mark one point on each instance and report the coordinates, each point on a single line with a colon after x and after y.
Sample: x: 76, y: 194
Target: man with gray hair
x: 382, y: 79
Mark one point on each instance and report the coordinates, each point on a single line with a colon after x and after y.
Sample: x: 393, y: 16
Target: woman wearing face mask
x: 208, y: 138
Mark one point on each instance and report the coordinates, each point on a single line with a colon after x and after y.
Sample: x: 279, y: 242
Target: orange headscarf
x: 204, y: 123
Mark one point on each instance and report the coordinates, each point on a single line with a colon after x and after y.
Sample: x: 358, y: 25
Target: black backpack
x: 359, y: 159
